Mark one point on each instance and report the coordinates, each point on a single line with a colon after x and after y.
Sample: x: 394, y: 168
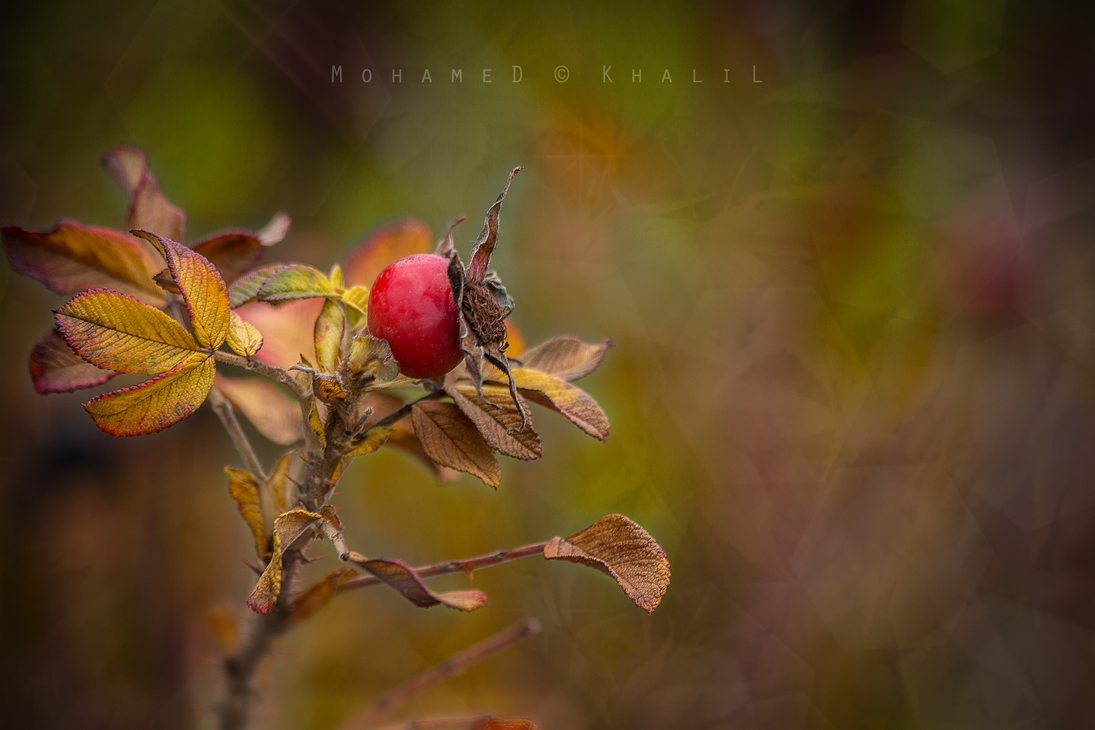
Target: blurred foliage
x: 853, y: 308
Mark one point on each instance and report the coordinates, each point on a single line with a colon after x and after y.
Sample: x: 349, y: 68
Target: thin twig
x: 401, y: 413
x: 241, y: 666
x: 227, y: 414
x: 270, y: 371
x: 447, y: 669
x: 453, y: 566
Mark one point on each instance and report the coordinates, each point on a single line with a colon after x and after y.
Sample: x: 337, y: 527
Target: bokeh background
x: 853, y: 309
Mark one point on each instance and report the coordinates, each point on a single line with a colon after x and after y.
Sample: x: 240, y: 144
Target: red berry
x: 411, y: 306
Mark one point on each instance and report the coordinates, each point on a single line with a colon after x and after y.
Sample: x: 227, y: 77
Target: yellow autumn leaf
x: 116, y: 332
x: 570, y: 400
x: 330, y: 324
x: 288, y: 528
x: 243, y: 337
x: 161, y: 402
x: 203, y: 289
x: 373, y: 440
x: 244, y: 488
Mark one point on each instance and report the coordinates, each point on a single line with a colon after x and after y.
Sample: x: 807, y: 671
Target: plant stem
x: 401, y: 413
x: 270, y: 371
x: 241, y: 666
x: 453, y: 566
x: 438, y: 673
x: 227, y: 414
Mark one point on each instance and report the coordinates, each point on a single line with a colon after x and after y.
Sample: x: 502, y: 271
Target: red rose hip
x: 411, y: 306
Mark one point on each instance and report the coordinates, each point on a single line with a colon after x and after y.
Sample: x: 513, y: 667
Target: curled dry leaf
x: 565, y: 357
x: 451, y: 439
x: 401, y: 577
x: 622, y: 549
x: 244, y: 488
x: 153, y: 406
x: 570, y: 400
x: 498, y: 420
x: 313, y: 598
x: 288, y: 528
x: 73, y: 257
x: 269, y: 407
x: 55, y: 368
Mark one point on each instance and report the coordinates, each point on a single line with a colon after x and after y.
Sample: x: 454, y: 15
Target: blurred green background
x: 851, y: 395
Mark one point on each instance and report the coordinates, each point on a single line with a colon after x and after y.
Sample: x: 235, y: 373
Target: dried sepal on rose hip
x: 434, y: 312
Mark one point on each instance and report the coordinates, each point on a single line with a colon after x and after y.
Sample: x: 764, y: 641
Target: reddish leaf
x: 234, y: 253
x: 149, y: 208
x: 55, y: 368
x: 401, y: 577
x: 622, y: 549
x: 388, y: 243
x: 73, y: 257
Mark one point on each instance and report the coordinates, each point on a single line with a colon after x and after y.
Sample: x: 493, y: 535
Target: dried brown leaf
x: 622, y: 549
x: 498, y: 723
x: 570, y: 400
x: 499, y: 422
x: 451, y: 439
x: 401, y: 577
x: 565, y: 357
